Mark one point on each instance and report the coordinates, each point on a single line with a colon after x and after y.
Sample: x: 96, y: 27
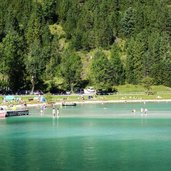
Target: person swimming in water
x: 145, y: 111
x: 42, y: 109
x: 57, y: 112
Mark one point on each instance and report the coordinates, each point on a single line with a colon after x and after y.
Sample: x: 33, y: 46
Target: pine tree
x: 128, y: 22
x: 101, y: 71
x: 71, y: 68
x: 117, y: 68
x: 13, y: 61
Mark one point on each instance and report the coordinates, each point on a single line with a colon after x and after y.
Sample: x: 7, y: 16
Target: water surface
x: 96, y: 137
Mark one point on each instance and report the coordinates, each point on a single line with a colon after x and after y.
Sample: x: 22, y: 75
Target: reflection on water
x: 89, y: 137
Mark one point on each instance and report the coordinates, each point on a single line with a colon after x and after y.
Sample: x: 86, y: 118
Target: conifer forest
x: 60, y: 45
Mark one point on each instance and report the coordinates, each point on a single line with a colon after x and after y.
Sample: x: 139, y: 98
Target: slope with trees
x: 43, y: 43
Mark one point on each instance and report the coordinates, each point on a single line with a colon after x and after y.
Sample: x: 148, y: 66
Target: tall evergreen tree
x: 128, y: 22
x: 13, y: 61
x: 101, y: 71
x: 71, y: 68
x: 118, y: 74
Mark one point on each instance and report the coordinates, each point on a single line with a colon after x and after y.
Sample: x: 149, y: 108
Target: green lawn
x: 128, y: 88
x: 125, y: 92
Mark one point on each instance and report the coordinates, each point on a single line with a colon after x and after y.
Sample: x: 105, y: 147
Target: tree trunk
x: 33, y: 85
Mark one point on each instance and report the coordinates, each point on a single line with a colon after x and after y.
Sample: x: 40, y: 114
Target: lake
x: 89, y: 137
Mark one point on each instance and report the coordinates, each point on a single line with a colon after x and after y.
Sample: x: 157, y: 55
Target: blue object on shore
x: 42, y: 99
x: 9, y: 98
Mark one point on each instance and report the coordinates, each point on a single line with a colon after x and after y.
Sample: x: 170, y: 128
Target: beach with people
x: 42, y: 105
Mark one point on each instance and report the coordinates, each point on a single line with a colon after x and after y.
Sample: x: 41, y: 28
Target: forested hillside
x: 56, y: 45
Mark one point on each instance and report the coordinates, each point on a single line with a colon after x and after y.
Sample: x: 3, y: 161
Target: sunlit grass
x: 125, y: 92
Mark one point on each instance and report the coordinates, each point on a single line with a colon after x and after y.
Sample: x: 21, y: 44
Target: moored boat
x: 17, y: 112
x: 9, y: 113
x: 68, y: 104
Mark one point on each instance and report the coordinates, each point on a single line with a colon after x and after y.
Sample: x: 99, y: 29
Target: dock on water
x: 9, y: 113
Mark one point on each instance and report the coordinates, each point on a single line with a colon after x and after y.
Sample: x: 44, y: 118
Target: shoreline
x: 93, y: 102
x: 120, y: 101
x: 113, y: 101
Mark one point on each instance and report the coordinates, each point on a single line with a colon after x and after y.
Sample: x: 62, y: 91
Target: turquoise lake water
x: 90, y: 137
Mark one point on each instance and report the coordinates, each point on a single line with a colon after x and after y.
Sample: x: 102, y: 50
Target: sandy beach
x: 118, y: 101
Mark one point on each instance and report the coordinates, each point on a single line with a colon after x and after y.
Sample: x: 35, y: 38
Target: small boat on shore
x: 9, y: 113
x: 68, y: 104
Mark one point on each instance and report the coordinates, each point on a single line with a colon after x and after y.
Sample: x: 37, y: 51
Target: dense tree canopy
x: 71, y: 68
x: 62, y: 44
x: 101, y: 73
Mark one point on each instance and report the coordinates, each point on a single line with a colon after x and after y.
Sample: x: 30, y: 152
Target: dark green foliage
x: 137, y: 63
x: 128, y: 22
x: 49, y: 11
x: 71, y: 68
x: 148, y: 55
x: 13, y: 67
x: 147, y: 83
x: 117, y: 68
x: 159, y: 56
x: 101, y: 73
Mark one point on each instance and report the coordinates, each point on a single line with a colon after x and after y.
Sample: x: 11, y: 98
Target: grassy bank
x: 132, y: 89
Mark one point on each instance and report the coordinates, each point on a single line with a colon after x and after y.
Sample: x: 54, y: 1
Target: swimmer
x: 133, y: 110
x: 145, y: 111
x: 142, y: 110
x: 42, y: 109
x: 57, y: 112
